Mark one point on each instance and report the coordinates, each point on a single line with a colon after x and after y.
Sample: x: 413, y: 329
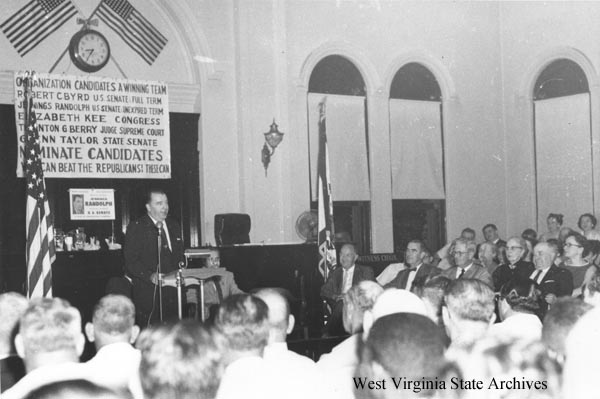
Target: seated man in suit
x: 552, y: 281
x: 417, y: 272
x: 339, y: 282
x: 464, y: 253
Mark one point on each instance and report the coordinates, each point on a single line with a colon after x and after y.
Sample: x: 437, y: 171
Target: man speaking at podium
x: 142, y: 262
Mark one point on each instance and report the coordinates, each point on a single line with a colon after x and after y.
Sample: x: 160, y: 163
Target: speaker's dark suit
x: 332, y: 289
x: 557, y: 281
x: 141, y: 260
x: 424, y: 272
x: 504, y: 273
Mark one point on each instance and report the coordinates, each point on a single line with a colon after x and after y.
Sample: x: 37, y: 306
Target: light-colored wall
x: 241, y: 63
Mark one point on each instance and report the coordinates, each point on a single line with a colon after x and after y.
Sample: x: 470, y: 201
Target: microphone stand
x: 159, y: 276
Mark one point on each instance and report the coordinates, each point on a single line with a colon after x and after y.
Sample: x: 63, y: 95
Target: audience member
x: 552, y: 281
x: 432, y: 295
x: 50, y: 342
x: 488, y: 255
x: 445, y: 255
x: 404, y: 345
x: 113, y: 332
x: 582, y: 351
x: 391, y: 270
x: 591, y: 292
x: 587, y: 223
x: 12, y: 369
x: 464, y: 252
x: 559, y: 321
x: 417, y: 271
x: 515, y: 265
x: 357, y: 301
x: 74, y: 389
x: 574, y: 260
x: 490, y: 233
x: 530, y: 237
x: 468, y: 311
x: 508, y: 369
x: 554, y: 222
x: 182, y: 361
x: 518, y: 307
x: 280, y: 324
x: 339, y: 282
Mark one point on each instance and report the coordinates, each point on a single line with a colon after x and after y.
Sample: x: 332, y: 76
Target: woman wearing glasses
x: 575, y: 251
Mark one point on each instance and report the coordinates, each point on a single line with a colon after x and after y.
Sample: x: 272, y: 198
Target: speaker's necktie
x: 163, y: 237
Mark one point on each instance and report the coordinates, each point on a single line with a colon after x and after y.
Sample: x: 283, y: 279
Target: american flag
x: 133, y: 28
x: 325, y: 200
x: 40, y: 233
x: 35, y: 21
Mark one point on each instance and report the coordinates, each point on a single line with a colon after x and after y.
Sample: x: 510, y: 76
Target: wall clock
x: 89, y: 50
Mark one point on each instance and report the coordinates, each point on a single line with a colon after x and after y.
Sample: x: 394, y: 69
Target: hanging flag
x: 40, y: 232
x: 325, y: 202
x: 35, y: 21
x: 133, y: 28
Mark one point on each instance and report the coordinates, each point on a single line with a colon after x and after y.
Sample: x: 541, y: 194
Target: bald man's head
x: 281, y: 321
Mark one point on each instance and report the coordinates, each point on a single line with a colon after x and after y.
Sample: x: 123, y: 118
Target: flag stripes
x: 133, y: 28
x: 35, y: 21
x: 325, y: 200
x: 40, y: 250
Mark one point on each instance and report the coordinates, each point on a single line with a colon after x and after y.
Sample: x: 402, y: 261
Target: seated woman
x: 554, y: 222
x: 530, y: 237
x: 587, y: 223
x: 576, y: 249
x: 518, y: 305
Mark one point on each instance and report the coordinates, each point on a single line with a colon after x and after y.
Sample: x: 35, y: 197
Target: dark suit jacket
x: 557, y: 281
x: 475, y: 272
x: 141, y: 260
x: 333, y: 286
x: 424, y: 272
x: 504, y: 273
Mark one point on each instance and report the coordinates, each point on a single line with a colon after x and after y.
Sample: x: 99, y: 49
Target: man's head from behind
x: 281, y: 320
x: 180, y: 361
x: 359, y: 299
x: 113, y: 321
x: 12, y: 307
x: 467, y: 301
x: 400, y: 344
x: 49, y: 333
x: 558, y: 322
x: 243, y: 321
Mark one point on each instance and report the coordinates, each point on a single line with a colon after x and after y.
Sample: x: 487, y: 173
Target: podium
x: 190, y: 277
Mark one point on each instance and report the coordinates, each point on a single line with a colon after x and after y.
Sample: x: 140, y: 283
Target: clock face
x: 93, y: 49
x: 89, y: 50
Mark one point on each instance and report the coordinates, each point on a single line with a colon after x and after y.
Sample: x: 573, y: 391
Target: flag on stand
x: 133, y: 28
x: 40, y: 232
x: 328, y: 257
x: 35, y: 21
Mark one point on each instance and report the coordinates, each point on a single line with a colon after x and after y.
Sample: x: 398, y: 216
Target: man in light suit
x: 417, y: 272
x: 340, y: 281
x: 141, y: 258
x: 464, y: 253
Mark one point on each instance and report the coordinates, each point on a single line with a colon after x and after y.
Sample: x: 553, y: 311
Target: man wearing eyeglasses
x: 516, y: 266
x: 464, y: 252
x: 552, y: 281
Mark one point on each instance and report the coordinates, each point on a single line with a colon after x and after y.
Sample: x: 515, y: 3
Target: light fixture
x: 272, y: 139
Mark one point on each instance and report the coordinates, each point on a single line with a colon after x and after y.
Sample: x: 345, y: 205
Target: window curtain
x: 346, y: 139
x: 416, y: 150
x: 564, y: 158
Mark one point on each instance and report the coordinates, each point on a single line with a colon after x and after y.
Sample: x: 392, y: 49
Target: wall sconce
x: 272, y: 139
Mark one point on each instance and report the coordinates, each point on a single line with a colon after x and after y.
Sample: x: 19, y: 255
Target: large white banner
x: 92, y: 127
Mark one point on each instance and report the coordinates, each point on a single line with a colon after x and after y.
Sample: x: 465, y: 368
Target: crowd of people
x: 502, y: 319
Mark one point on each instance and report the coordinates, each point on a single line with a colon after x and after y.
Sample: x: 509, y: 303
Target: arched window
x: 563, y: 145
x: 417, y: 157
x: 337, y: 81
